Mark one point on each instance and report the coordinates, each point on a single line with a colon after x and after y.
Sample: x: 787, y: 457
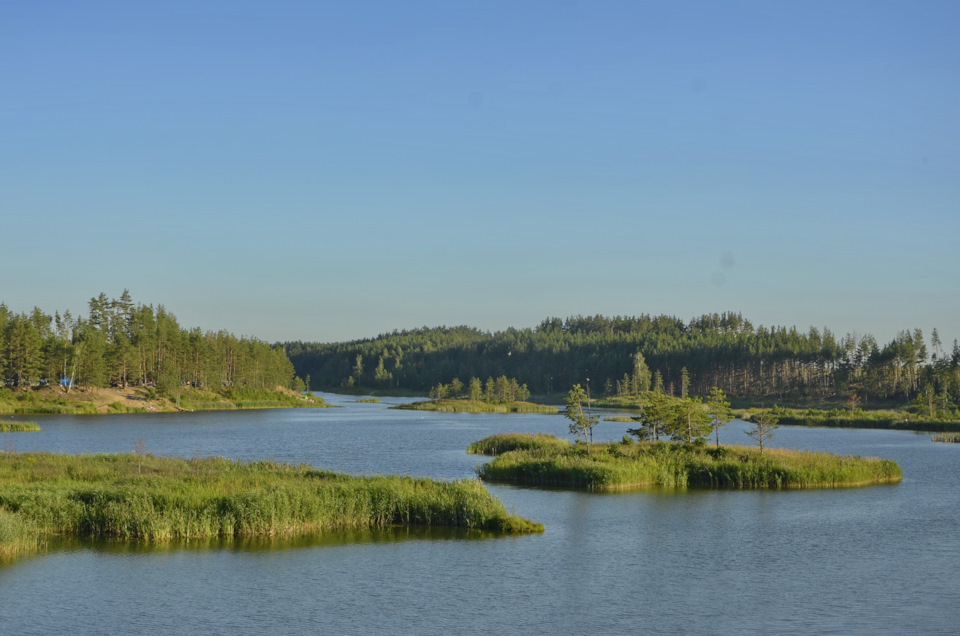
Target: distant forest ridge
x: 724, y: 350
x: 124, y: 343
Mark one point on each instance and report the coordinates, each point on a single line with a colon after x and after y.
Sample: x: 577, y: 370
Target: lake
x: 877, y: 560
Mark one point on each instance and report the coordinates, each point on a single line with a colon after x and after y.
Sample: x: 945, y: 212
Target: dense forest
x: 620, y: 355
x: 121, y: 343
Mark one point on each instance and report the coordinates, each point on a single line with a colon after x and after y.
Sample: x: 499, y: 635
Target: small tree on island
x: 580, y: 423
x: 719, y: 409
x: 763, y: 428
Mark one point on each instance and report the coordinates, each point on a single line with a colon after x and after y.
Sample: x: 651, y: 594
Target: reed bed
x: 619, y: 466
x: 17, y: 427
x: 505, y: 442
x: 154, y: 499
x: 953, y: 438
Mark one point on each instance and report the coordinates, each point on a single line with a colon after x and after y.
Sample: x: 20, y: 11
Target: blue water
x: 878, y: 560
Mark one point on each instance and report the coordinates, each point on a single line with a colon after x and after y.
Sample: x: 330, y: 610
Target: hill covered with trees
x: 626, y: 355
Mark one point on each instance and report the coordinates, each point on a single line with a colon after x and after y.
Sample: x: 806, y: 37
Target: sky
x: 328, y: 171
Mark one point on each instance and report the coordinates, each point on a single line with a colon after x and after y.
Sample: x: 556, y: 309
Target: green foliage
x: 14, y: 427
x: 628, y: 354
x: 581, y: 423
x: 764, y: 424
x: 150, y: 498
x: 505, y: 442
x: 617, y: 466
x: 880, y: 418
x: 122, y: 343
x: 719, y: 409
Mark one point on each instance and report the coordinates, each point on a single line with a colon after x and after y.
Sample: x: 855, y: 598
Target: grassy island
x: 16, y: 427
x: 547, y: 461
x: 142, y: 497
x: 477, y: 406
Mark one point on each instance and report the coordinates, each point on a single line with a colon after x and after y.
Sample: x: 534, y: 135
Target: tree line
x: 714, y: 350
x: 124, y: 343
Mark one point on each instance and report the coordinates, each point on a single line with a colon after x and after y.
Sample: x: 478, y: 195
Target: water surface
x: 880, y: 560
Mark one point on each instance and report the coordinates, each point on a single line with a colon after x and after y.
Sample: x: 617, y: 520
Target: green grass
x: 29, y: 403
x: 879, y: 418
x: 15, y: 427
x: 17, y: 536
x: 151, y: 498
x: 368, y: 400
x: 505, y: 442
x: 628, y: 466
x: 240, y: 398
x: 476, y: 406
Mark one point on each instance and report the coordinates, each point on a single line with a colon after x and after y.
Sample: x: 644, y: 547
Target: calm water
x: 879, y: 560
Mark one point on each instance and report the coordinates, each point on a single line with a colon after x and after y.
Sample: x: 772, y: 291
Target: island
x: 502, y: 395
x: 544, y: 460
x: 141, y: 497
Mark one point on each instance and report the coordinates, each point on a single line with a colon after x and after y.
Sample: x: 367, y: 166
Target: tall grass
x: 879, y: 419
x: 618, y: 466
x: 15, y: 427
x: 953, y: 438
x: 153, y: 498
x: 17, y: 536
x: 505, y: 442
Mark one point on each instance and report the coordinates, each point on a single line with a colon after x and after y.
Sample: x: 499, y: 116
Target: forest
x: 122, y: 343
x: 752, y: 364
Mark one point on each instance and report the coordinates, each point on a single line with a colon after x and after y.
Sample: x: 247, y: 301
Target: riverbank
x: 884, y: 419
x: 145, y: 399
x: 843, y: 418
x: 618, y: 466
x: 142, y: 497
x: 477, y: 406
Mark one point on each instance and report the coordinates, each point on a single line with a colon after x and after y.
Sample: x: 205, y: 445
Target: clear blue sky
x: 324, y: 171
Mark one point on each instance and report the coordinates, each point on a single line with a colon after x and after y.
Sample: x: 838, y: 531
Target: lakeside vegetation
x: 951, y: 438
x: 858, y: 418
x: 93, y: 401
x: 618, y: 466
x: 142, y: 497
x: 57, y: 364
x: 501, y: 395
x: 16, y: 427
x: 753, y: 364
x: 466, y: 405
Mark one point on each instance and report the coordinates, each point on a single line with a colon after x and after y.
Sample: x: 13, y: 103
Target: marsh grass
x: 128, y: 496
x: 953, y: 438
x: 476, y: 406
x: 505, y: 442
x: 16, y: 427
x: 17, y: 536
x: 628, y: 466
x: 879, y: 419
